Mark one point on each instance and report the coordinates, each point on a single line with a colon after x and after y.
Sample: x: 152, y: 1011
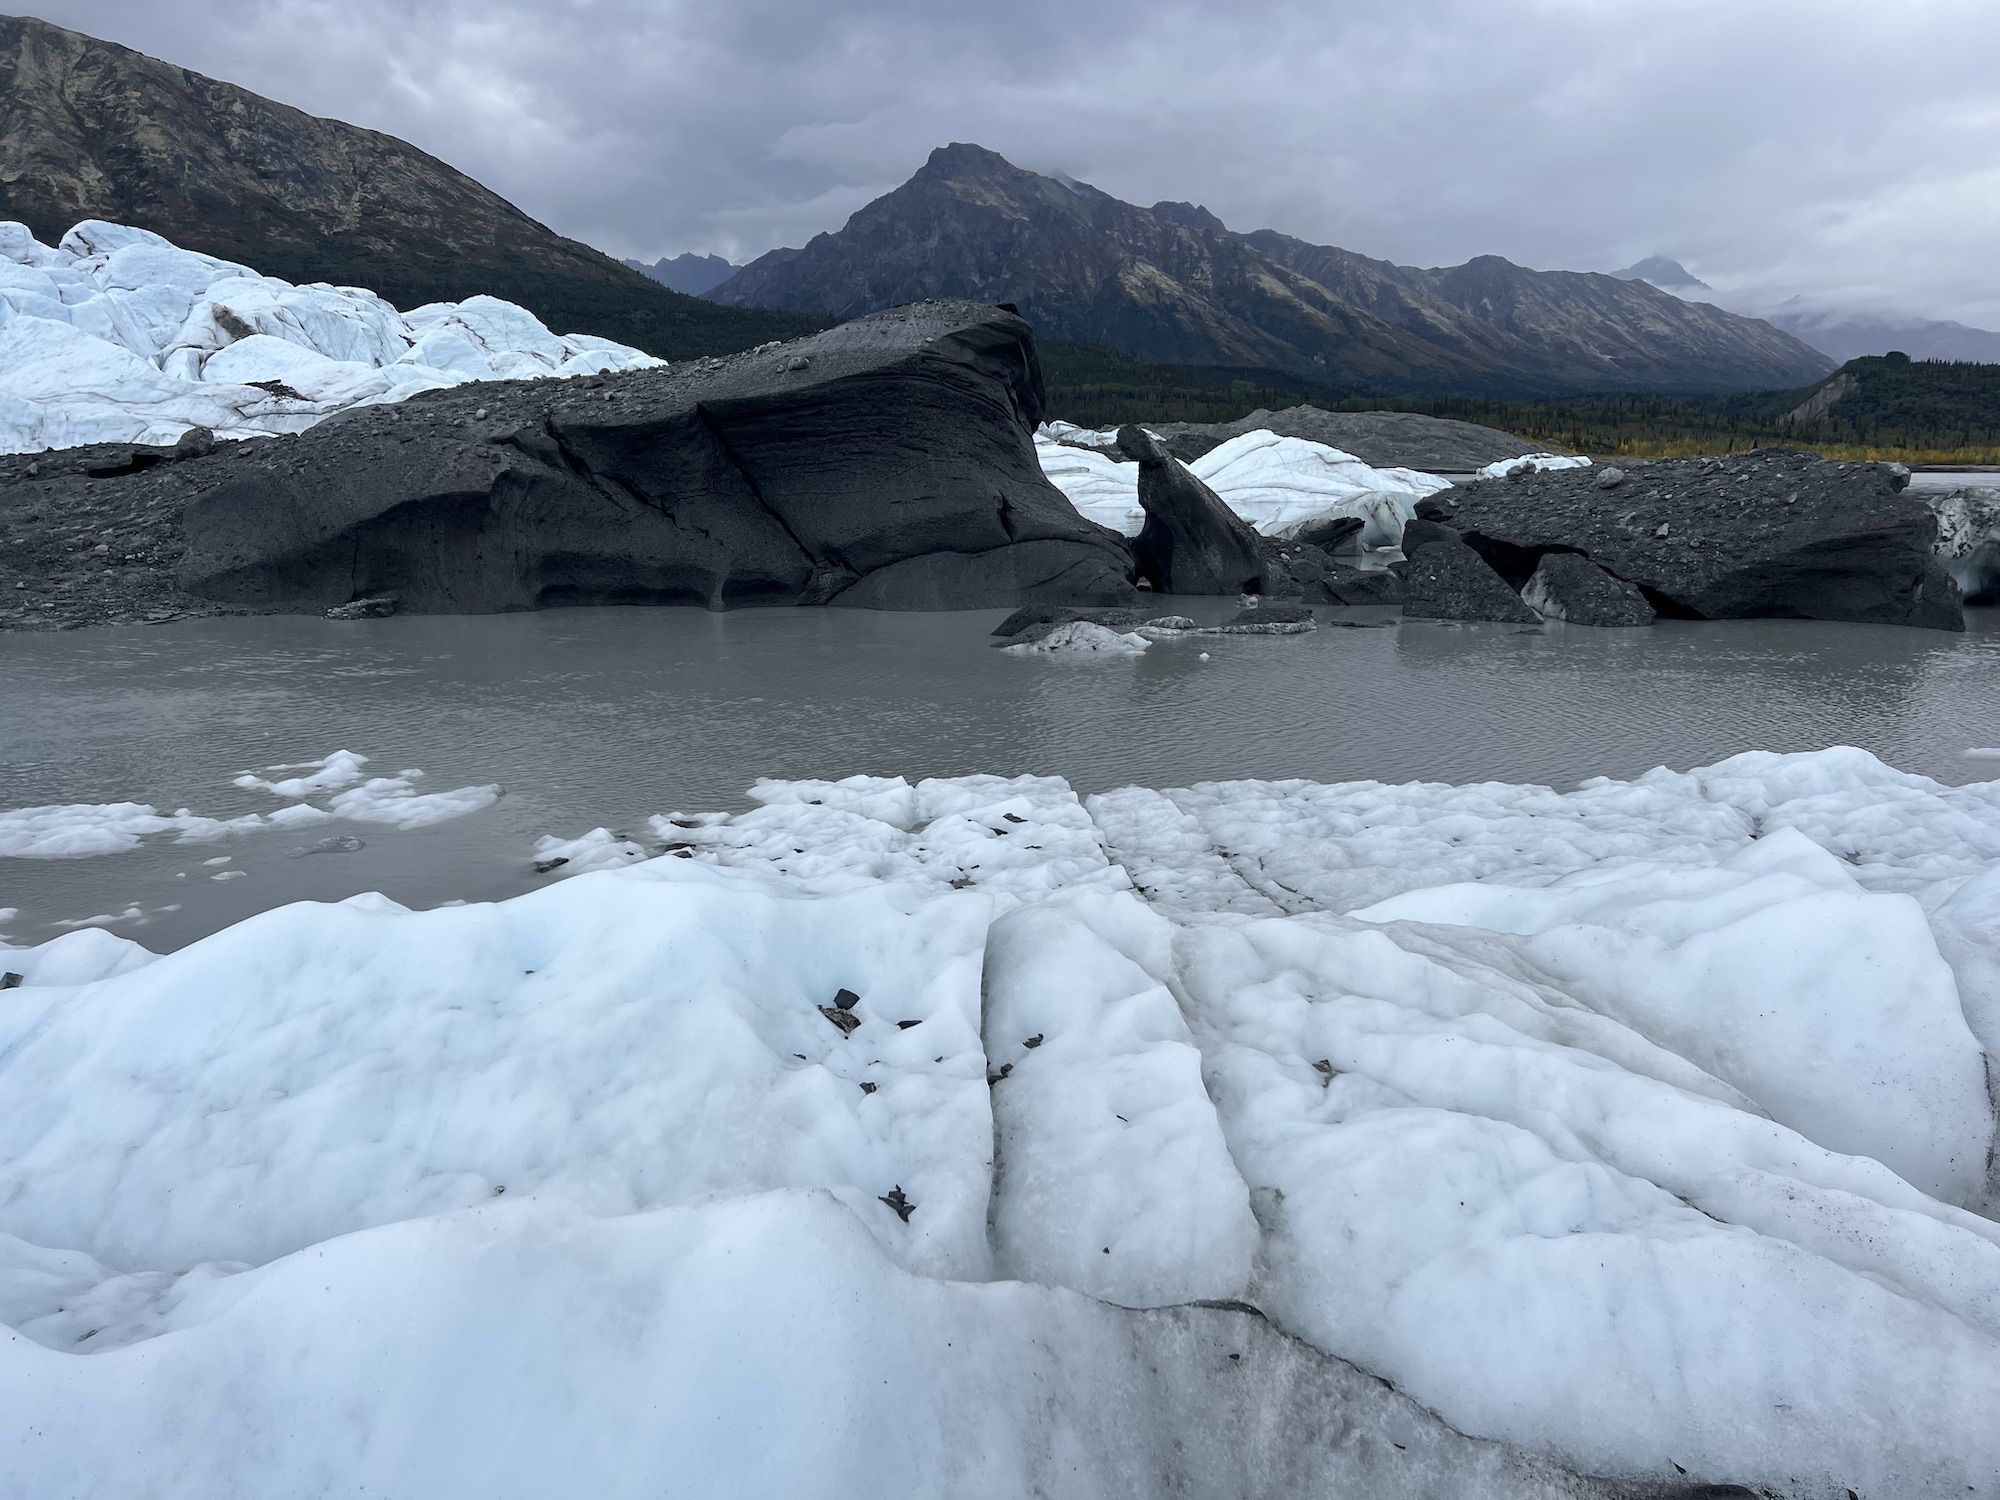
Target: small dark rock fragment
x: 906, y: 1025
x: 1013, y: 817
x: 10, y: 980
x: 867, y: 1088
x: 196, y: 442
x: 841, y: 1012
x: 543, y: 866
x: 1610, y: 479
x: 902, y: 1205
x: 1036, y: 1040
x: 993, y: 1078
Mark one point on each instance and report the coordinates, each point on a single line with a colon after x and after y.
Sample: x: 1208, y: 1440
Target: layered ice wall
x: 931, y: 1139
x: 117, y: 335
x: 1277, y: 484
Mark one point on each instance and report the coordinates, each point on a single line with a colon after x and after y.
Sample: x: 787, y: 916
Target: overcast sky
x: 1845, y: 149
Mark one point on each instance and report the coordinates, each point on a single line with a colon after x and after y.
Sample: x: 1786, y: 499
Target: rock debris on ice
x: 1644, y: 1129
x: 117, y: 335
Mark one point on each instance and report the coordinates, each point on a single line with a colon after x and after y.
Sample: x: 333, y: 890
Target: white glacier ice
x: 1533, y: 463
x: 921, y: 1138
x: 118, y: 335
x: 1082, y: 638
x: 1277, y: 484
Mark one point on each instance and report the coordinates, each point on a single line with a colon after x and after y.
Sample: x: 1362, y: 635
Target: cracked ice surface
x: 1646, y: 1128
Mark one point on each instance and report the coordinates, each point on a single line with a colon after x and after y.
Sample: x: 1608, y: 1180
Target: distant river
x: 602, y: 716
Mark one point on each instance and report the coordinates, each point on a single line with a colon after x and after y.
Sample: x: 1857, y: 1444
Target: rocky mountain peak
x: 1173, y: 283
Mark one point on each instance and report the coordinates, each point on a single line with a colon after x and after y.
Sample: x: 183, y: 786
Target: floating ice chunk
x: 393, y: 800
x: 341, y: 768
x: 1983, y: 754
x: 78, y: 830
x: 1083, y: 638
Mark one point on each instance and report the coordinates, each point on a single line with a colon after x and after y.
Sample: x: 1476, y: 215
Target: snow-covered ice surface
x: 80, y: 830
x: 1647, y: 1128
x: 1275, y: 483
x: 1533, y: 462
x: 118, y: 335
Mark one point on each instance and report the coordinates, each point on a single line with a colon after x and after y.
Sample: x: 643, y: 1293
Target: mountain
x: 1667, y: 275
x: 1172, y: 283
x: 93, y: 130
x: 1849, y: 335
x: 689, y: 273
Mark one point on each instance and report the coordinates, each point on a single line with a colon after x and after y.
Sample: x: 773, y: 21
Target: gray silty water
x: 602, y: 716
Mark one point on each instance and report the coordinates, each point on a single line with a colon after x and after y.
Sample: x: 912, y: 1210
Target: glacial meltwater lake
x: 596, y: 717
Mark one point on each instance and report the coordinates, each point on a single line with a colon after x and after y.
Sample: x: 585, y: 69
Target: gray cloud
x: 1847, y: 149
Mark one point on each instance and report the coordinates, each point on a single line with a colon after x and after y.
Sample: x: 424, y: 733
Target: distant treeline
x: 1888, y: 408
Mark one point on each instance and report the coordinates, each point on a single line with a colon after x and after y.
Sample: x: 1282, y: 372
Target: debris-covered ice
x: 119, y: 336
x: 930, y: 1138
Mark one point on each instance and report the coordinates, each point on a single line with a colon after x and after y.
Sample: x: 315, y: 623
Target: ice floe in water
x: 1645, y: 1127
x: 118, y: 335
x: 1277, y: 484
x: 80, y: 830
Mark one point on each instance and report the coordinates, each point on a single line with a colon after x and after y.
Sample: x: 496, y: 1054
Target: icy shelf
x: 934, y: 1138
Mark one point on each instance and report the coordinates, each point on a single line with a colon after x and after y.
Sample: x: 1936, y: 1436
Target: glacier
x: 116, y: 335
x: 1277, y: 484
x: 971, y: 1136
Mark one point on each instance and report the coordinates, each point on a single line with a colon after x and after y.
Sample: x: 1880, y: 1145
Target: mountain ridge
x: 90, y: 129
x: 1173, y: 284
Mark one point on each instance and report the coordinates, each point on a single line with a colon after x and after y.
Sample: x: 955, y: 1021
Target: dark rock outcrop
x: 1191, y: 543
x: 1447, y: 580
x: 1764, y: 534
x: 885, y: 464
x: 1574, y: 589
